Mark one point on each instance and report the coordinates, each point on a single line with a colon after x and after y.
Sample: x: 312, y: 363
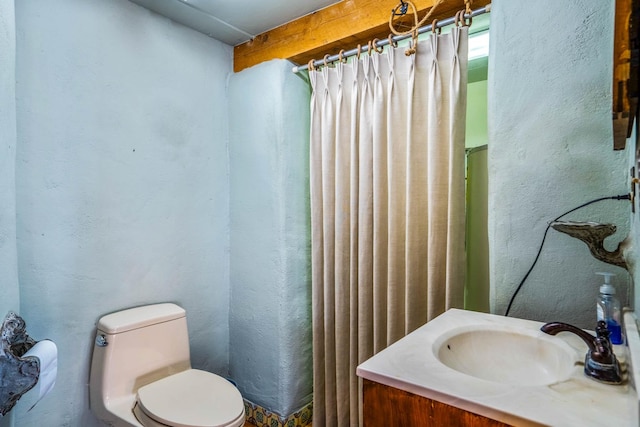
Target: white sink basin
x: 505, y: 369
x: 506, y: 356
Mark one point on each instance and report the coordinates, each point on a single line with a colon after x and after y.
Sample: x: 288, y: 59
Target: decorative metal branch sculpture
x: 18, y: 374
x: 593, y: 234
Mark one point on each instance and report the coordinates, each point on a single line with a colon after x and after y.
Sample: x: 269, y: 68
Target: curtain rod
x: 384, y: 42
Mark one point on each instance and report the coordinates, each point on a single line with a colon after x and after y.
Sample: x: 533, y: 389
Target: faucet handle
x: 603, y: 352
x: 602, y: 330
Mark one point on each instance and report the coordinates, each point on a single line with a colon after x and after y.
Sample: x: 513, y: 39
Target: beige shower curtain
x: 387, y: 203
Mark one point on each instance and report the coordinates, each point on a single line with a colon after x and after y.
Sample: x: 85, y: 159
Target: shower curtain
x: 387, y: 207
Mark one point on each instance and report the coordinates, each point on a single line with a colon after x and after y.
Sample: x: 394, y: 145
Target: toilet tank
x: 135, y: 347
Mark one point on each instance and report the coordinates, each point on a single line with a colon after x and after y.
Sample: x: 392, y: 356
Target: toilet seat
x: 191, y: 398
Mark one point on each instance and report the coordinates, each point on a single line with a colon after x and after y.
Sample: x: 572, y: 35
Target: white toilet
x: 141, y: 374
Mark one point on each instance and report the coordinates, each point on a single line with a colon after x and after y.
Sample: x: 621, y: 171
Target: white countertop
x: 411, y: 365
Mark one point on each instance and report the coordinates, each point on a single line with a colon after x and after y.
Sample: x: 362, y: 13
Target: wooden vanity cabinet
x: 385, y: 406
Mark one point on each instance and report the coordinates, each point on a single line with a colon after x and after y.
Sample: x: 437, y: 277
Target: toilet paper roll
x: 47, y: 352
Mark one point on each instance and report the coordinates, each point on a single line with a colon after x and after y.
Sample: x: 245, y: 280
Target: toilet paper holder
x: 18, y: 374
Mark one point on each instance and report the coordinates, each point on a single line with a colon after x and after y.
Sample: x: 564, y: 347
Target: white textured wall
x: 9, y: 291
x: 122, y: 181
x: 551, y: 150
x: 270, y: 318
x: 8, y: 264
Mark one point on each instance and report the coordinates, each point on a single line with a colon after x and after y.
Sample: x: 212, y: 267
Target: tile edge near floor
x: 261, y: 417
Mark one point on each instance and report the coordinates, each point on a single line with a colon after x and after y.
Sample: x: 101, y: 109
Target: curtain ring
x: 359, y: 51
x: 392, y: 43
x: 341, y: 57
x: 434, y: 27
x: 378, y: 49
x: 464, y: 21
x: 326, y: 57
x: 311, y: 66
x: 369, y: 47
x: 459, y: 18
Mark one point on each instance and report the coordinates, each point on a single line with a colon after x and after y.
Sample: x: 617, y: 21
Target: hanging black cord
x: 513, y: 297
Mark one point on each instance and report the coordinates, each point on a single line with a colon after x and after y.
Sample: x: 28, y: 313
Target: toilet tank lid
x: 139, y: 317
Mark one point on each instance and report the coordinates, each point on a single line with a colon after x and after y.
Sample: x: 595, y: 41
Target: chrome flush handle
x: 101, y: 341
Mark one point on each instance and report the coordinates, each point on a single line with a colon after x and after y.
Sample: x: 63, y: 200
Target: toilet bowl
x: 205, y: 400
x: 141, y: 374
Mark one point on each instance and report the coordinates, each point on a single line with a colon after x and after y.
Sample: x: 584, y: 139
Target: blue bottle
x: 608, y: 308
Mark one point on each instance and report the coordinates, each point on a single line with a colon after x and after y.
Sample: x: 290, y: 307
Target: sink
x: 508, y: 356
x: 506, y: 369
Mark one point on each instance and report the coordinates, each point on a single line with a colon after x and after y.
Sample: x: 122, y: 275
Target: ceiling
x: 233, y: 21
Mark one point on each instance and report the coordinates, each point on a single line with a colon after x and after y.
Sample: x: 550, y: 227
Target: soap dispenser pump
x: 608, y: 308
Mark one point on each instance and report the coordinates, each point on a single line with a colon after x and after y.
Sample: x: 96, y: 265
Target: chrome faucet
x: 600, y: 362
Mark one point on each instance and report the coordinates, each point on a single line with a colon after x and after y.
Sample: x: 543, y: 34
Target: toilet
x: 141, y: 374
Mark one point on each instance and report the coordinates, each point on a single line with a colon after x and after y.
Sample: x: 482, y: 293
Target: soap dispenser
x: 608, y: 308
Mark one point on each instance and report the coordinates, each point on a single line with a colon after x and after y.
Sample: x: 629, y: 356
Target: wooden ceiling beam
x: 343, y: 25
